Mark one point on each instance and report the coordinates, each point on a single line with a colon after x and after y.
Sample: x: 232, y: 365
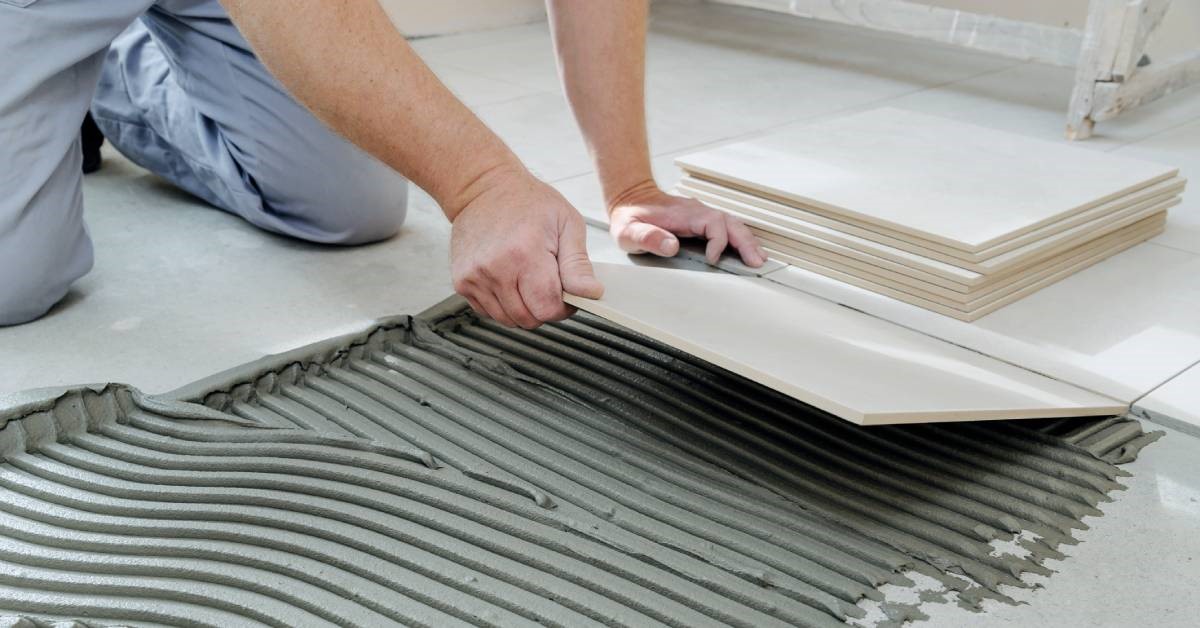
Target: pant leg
x: 183, y: 96
x: 50, y: 57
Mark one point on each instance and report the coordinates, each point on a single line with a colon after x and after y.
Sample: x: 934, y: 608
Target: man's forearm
x: 347, y: 63
x: 602, y: 57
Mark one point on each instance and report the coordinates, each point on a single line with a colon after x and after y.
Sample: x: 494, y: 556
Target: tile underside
x: 455, y: 472
x: 862, y: 369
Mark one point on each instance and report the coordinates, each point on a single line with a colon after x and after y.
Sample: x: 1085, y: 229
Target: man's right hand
x: 516, y: 247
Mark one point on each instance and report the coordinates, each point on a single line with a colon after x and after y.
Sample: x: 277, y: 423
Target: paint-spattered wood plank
x: 958, y: 184
x: 860, y: 368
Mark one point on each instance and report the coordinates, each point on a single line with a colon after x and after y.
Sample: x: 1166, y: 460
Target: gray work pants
x: 176, y: 89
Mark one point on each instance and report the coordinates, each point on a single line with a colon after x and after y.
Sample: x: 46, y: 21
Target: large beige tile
x: 983, y: 305
x: 896, y: 168
x: 817, y: 230
x: 1175, y: 403
x: 1179, y: 146
x: 1092, y: 251
x: 987, y: 260
x: 806, y: 347
x: 1120, y: 327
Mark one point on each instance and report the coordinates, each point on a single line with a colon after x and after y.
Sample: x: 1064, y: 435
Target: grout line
x: 1171, y: 246
x: 1157, y: 133
x: 1168, y: 380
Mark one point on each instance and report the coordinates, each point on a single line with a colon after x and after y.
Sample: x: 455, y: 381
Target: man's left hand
x: 644, y: 219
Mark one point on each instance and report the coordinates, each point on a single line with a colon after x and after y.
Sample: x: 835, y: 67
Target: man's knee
x: 341, y: 203
x: 363, y: 216
x: 31, y: 283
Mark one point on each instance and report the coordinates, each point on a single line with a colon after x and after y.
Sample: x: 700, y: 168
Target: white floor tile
x: 1175, y: 403
x: 1180, y: 147
x: 181, y: 290
x: 476, y: 90
x: 1120, y: 328
x: 1136, y: 565
x: 527, y: 60
x: 541, y: 130
x: 1032, y: 99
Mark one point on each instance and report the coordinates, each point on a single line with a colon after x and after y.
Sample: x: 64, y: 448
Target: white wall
x: 440, y: 17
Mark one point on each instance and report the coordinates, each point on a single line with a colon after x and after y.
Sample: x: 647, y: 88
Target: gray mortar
x: 442, y: 471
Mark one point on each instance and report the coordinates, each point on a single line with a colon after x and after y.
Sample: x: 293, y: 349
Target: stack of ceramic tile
x: 952, y: 217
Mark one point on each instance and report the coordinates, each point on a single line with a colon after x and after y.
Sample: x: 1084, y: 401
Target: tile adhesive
x: 444, y: 471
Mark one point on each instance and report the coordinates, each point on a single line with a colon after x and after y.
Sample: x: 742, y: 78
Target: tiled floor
x: 181, y: 290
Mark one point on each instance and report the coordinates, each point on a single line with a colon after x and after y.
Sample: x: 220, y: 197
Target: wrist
x: 495, y: 174
x: 631, y: 193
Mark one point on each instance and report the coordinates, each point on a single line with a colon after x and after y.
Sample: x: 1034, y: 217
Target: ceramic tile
x: 1120, y: 327
x: 476, y: 90
x: 961, y: 275
x: 774, y: 335
x: 541, y: 130
x: 1095, y: 250
x: 983, y: 305
x: 1179, y: 146
x: 986, y: 260
x: 527, y: 61
x: 181, y: 289
x: 875, y: 167
x: 1176, y: 403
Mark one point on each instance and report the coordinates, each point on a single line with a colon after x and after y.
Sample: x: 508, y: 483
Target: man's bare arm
x: 602, y: 57
x: 348, y: 64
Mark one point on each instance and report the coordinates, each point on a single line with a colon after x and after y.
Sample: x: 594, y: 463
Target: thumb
x: 574, y: 267
x: 638, y: 237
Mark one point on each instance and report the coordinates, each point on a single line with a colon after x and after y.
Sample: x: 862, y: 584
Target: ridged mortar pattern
x: 449, y: 472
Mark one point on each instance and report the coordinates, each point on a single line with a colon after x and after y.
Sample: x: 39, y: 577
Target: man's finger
x: 744, y: 241
x: 514, y: 307
x: 643, y: 237
x: 574, y: 268
x: 718, y: 237
x: 491, y: 305
x: 541, y: 290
